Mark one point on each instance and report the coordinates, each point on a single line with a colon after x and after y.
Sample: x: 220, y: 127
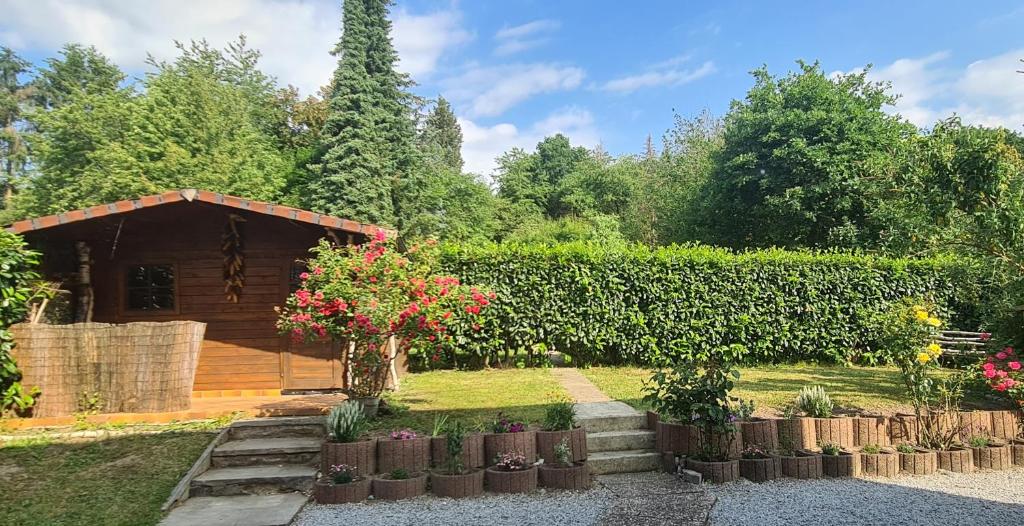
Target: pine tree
x: 80, y: 69
x: 14, y: 97
x: 442, y: 136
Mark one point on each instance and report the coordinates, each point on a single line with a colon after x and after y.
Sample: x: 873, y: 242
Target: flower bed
x: 472, y: 451
x: 994, y: 456
x: 903, y: 429
x: 760, y: 432
x: 843, y: 464
x: 574, y: 477
x: 388, y: 488
x: 459, y: 486
x: 870, y: 430
x: 403, y: 450
x: 576, y: 438
x: 761, y: 469
x: 1005, y: 424
x: 361, y: 454
x: 885, y: 463
x: 716, y: 472
x: 802, y: 465
x: 834, y: 430
x: 974, y: 423
x: 919, y: 462
x: 957, y: 460
x: 520, y: 481
x: 523, y: 442
x: 673, y: 438
x: 796, y: 433
x: 326, y: 492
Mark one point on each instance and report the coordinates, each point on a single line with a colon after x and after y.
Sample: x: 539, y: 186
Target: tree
x: 15, y: 96
x: 454, y: 206
x: 802, y: 161
x: 534, y: 178
x: 79, y: 70
x: 441, y: 138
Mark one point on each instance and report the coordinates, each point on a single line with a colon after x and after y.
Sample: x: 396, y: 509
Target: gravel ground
x: 944, y: 498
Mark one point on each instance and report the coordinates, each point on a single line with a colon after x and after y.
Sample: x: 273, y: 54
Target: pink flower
x: 1001, y: 374
x: 1014, y: 365
x: 380, y: 235
x: 1009, y: 382
x: 985, y: 336
x: 1001, y: 355
x: 318, y: 271
x: 1000, y: 387
x: 304, y: 276
x: 990, y: 373
x: 988, y: 366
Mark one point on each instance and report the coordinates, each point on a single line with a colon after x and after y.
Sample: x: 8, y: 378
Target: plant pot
x: 871, y: 430
x: 845, y: 464
x: 802, y: 465
x: 883, y: 464
x: 385, y: 488
x: 497, y: 444
x: 729, y: 444
x: 920, y: 462
x: 328, y: 493
x: 761, y: 469
x: 370, y: 405
x: 671, y: 437
x: 361, y: 455
x: 836, y: 430
x: 470, y: 484
x: 903, y: 429
x: 1005, y: 424
x: 717, y: 472
x: 412, y: 454
x: 796, y: 433
x: 957, y: 460
x: 760, y: 432
x: 472, y: 451
x: 652, y: 420
x: 994, y: 457
x: 975, y: 423
x: 547, y: 440
x: 574, y: 477
x: 1017, y: 452
x: 522, y: 481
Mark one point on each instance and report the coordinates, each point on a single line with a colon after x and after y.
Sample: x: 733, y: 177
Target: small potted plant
x: 341, y: 484
x: 836, y: 461
x: 758, y: 465
x: 560, y: 426
x: 472, y: 445
x: 563, y: 472
x: 455, y: 479
x: 876, y: 461
x: 399, y: 484
x: 798, y: 463
x: 815, y: 403
x: 916, y: 461
x: 511, y: 474
x: 344, y: 444
x: 403, y: 449
x: 798, y: 432
x: 988, y: 453
x: 756, y: 431
x: 507, y: 435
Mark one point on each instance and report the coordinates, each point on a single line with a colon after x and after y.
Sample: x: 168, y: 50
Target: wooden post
x: 348, y: 364
x: 83, y: 312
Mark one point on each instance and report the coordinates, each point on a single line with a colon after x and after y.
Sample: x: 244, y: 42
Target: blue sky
x: 605, y: 73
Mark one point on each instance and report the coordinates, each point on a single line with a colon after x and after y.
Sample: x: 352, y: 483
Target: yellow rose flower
x: 934, y: 349
x: 921, y: 315
x: 924, y: 357
x: 934, y: 322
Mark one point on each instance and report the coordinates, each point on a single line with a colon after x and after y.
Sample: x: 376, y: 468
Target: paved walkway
x: 654, y: 499
x: 579, y: 387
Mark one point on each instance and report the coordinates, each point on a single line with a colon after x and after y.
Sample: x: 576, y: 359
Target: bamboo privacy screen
x: 133, y: 367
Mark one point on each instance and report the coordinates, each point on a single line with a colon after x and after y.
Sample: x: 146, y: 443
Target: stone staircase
x: 618, y: 440
x: 260, y: 476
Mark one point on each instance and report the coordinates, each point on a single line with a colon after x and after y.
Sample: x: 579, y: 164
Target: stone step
x: 278, y: 427
x: 251, y: 510
x: 620, y: 440
x: 600, y: 417
x: 253, y: 480
x: 263, y: 451
x: 631, y: 461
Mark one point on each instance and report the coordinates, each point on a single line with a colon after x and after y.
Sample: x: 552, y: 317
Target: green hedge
x: 640, y: 305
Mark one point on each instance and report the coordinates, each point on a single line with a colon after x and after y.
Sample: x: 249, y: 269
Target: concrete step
x: 631, y: 461
x: 620, y: 440
x: 253, y: 480
x: 264, y: 451
x: 250, y: 510
x: 600, y: 417
x: 278, y: 427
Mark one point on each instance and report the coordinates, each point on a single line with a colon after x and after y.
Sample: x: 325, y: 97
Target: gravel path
x: 944, y: 498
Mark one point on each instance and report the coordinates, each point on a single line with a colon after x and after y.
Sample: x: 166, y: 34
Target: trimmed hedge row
x: 640, y: 305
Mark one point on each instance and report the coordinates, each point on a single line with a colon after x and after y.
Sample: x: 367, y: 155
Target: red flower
x: 1014, y: 365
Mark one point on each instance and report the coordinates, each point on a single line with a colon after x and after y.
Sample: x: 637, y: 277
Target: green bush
x: 638, y: 305
x: 17, y: 277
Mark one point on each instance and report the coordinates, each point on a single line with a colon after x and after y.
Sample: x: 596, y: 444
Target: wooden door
x: 312, y: 365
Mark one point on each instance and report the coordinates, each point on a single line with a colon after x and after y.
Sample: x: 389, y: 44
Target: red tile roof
x: 192, y: 195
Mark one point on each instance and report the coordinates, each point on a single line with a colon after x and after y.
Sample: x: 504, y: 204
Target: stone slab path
x: 654, y: 499
x: 579, y: 387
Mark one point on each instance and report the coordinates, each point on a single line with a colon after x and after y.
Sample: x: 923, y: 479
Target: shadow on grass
x: 477, y: 419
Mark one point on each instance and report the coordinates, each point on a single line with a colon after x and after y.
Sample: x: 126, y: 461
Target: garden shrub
x: 639, y: 305
x: 17, y: 278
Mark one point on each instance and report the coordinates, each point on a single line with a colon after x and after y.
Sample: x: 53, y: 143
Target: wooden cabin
x: 171, y: 257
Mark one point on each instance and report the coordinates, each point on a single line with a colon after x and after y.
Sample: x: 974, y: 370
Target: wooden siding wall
x: 242, y: 349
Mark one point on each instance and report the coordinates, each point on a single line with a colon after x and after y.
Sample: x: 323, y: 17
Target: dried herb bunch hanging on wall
x: 231, y: 245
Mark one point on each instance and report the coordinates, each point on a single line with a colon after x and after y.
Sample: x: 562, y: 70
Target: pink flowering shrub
x: 371, y: 293
x: 1004, y: 373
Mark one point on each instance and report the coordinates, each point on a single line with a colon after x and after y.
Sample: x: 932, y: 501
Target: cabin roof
x: 191, y: 195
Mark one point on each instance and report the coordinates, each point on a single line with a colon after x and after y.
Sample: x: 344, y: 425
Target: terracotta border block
x: 496, y: 444
x: 975, y: 423
x: 673, y: 438
x: 1017, y: 451
x: 547, y: 440
x: 523, y: 481
x: 798, y: 432
x: 761, y: 469
x: 575, y: 477
x: 920, y: 462
x: 458, y: 486
x: 761, y: 432
x: 903, y: 429
x: 472, y: 451
x: 836, y: 430
x: 356, y: 491
x: 994, y: 457
x: 411, y: 454
x: 956, y: 460
x: 884, y: 464
x: 804, y: 465
x: 652, y: 420
x: 845, y: 464
x: 716, y: 472
x: 871, y: 430
x: 1005, y: 424
x: 391, y: 489
x: 362, y: 455
x: 731, y: 444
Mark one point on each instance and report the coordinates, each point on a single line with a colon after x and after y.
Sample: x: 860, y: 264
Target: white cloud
x: 667, y: 75
x: 295, y: 36
x: 481, y: 145
x: 519, y: 38
x: 491, y: 90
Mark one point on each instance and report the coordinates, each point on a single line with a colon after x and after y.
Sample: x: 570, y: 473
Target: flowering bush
x: 504, y: 424
x: 405, y: 434
x: 342, y: 474
x: 371, y: 294
x: 512, y: 462
x: 1004, y: 373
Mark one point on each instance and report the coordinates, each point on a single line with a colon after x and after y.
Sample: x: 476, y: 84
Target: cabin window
x: 149, y: 288
x: 295, y: 275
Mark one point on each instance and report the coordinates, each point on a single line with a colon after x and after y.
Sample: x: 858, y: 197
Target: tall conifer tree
x: 442, y: 136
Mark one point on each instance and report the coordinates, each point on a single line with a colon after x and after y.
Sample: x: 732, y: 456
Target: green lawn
x: 113, y: 480
x: 474, y: 396
x: 876, y: 389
